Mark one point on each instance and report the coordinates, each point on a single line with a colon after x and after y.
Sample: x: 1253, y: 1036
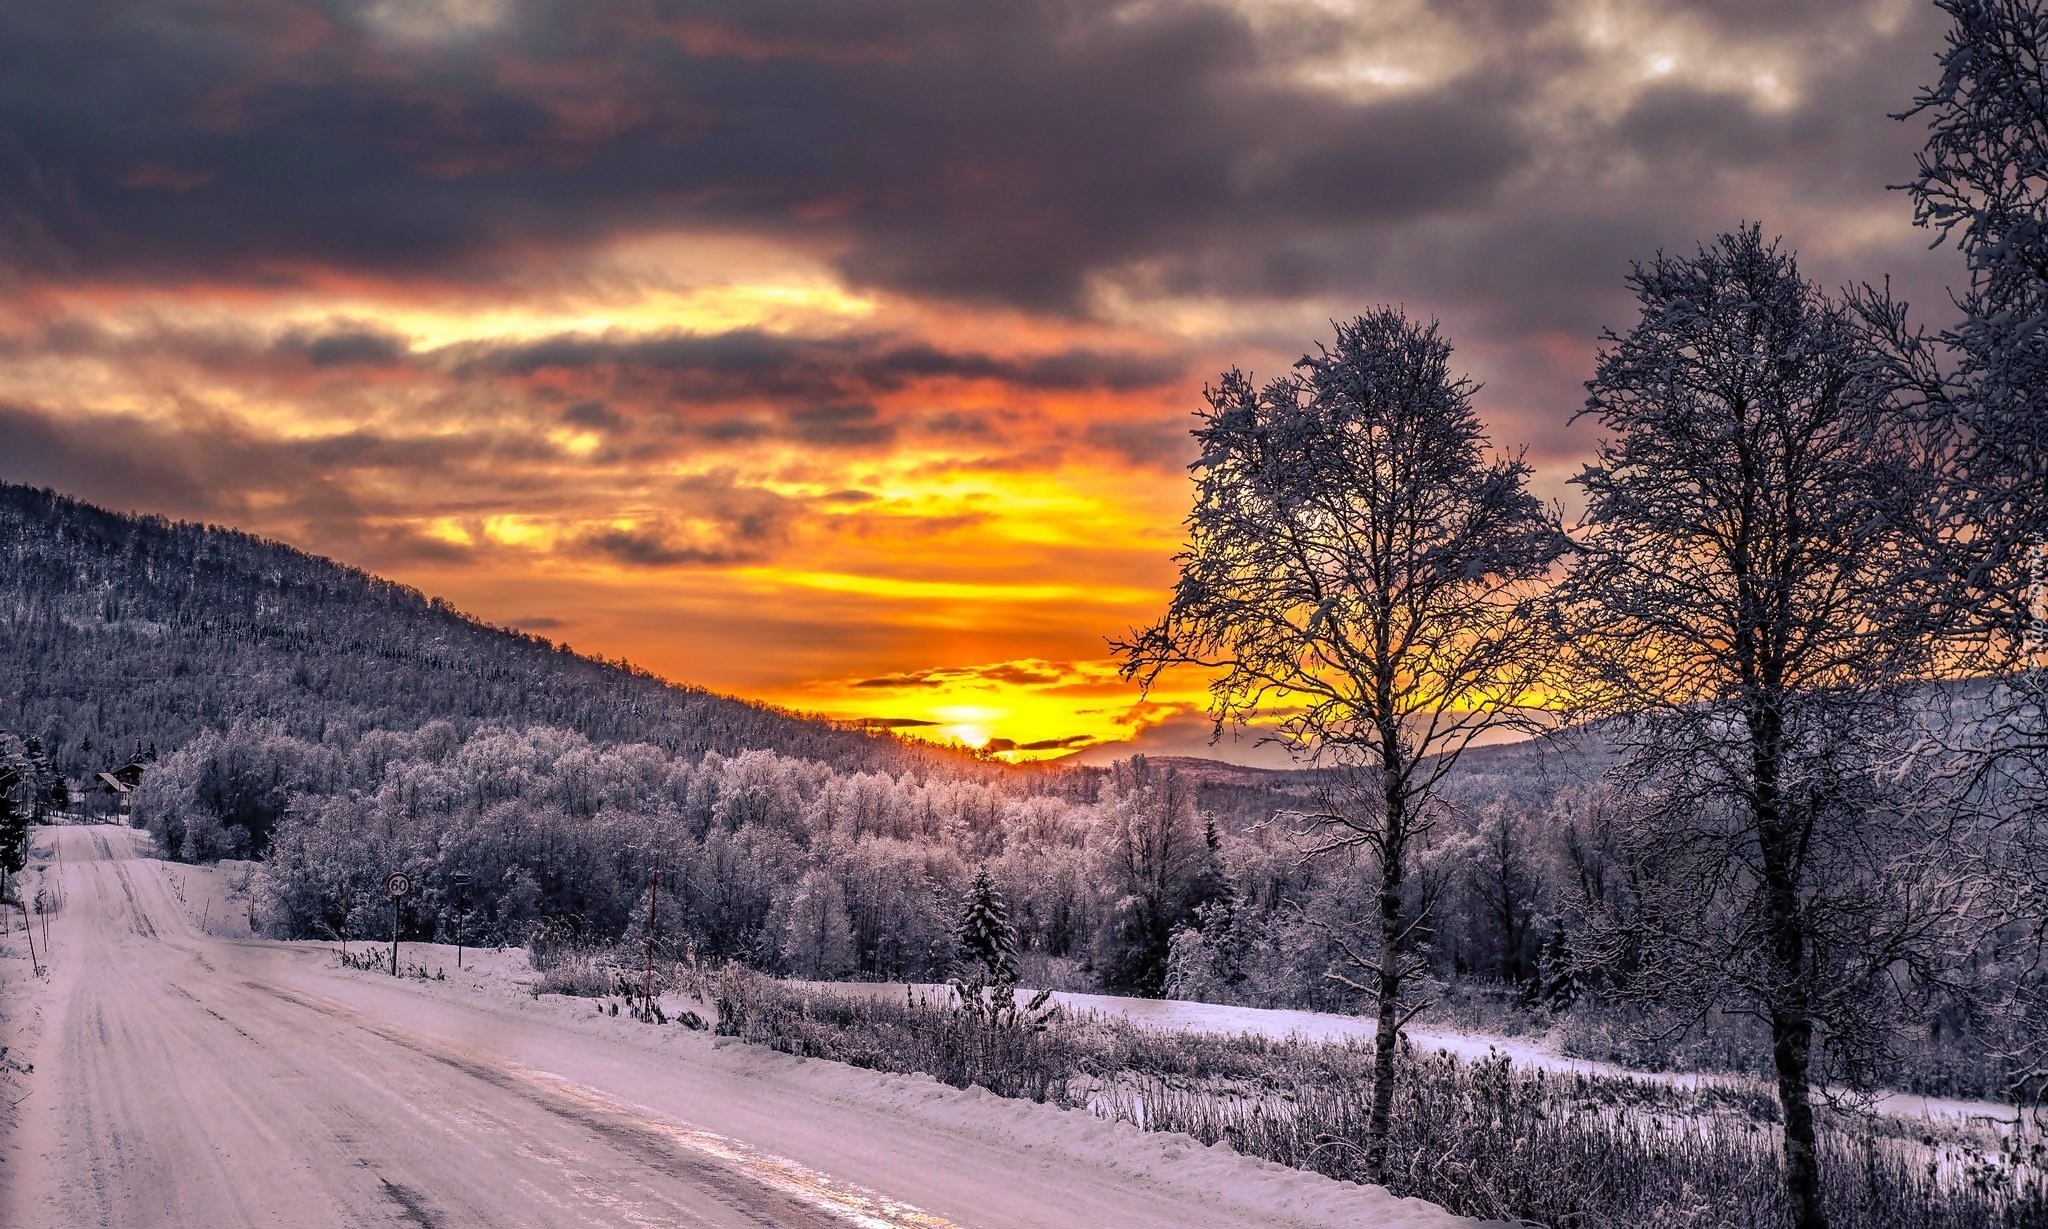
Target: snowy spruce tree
x: 41, y: 779
x: 985, y: 985
x: 988, y: 944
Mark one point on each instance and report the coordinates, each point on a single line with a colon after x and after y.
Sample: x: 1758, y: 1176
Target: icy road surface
x: 186, y: 1080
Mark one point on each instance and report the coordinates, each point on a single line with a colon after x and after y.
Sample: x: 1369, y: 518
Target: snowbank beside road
x: 20, y: 1021
x: 21, y: 1007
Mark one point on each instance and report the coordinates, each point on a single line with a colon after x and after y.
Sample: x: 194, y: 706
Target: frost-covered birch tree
x: 1361, y: 573
x: 1750, y: 617
x: 1982, y: 184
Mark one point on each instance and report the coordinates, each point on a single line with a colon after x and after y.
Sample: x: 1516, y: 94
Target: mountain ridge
x: 119, y: 630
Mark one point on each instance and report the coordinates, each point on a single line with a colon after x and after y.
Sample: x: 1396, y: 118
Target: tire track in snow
x: 739, y: 1176
x: 138, y: 917
x: 415, y: 1208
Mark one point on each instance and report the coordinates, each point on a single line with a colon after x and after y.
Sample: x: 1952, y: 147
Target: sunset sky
x: 841, y: 353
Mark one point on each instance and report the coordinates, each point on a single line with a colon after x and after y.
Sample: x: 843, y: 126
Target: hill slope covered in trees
x: 118, y: 632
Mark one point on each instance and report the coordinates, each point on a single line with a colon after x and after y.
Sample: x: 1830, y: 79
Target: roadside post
x: 398, y: 886
x: 460, y: 880
x: 653, y: 896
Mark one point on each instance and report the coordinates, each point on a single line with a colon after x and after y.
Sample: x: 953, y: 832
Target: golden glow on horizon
x: 955, y: 587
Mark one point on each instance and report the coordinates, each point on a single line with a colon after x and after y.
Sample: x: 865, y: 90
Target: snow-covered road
x: 184, y: 1080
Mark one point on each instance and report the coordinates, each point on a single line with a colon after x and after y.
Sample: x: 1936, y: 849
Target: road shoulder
x: 22, y: 1013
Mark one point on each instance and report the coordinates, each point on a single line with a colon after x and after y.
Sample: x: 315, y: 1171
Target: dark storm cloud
x: 1155, y: 444
x: 998, y: 152
x: 966, y: 424
x: 748, y: 364
x: 342, y: 344
x: 593, y: 414
x: 841, y: 426
x: 1069, y: 743
x: 361, y: 347
x: 209, y: 469
x: 1017, y: 154
x: 647, y: 396
x: 1674, y: 161
x: 751, y: 385
x: 709, y: 519
x: 1014, y: 673
x: 657, y: 548
x: 416, y: 456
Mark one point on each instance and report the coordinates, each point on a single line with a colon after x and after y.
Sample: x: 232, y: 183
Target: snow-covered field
x: 1181, y: 1016
x: 185, y: 1078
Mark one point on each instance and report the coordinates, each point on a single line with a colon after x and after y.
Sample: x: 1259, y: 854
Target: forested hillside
x: 121, y: 632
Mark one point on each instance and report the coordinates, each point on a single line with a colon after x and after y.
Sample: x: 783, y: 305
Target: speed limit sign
x: 397, y: 884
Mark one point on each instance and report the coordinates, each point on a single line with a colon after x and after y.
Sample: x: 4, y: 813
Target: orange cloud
x: 837, y: 510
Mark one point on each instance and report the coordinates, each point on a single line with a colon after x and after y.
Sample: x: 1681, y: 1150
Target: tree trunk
x: 1791, y: 1042
x: 1510, y: 940
x: 1791, y: 1013
x: 1389, y: 981
x: 1384, y: 1038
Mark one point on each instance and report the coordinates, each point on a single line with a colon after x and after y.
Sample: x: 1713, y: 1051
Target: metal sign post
x: 461, y: 882
x: 397, y: 885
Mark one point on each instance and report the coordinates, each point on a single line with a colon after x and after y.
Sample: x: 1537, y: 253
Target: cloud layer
x: 832, y: 352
